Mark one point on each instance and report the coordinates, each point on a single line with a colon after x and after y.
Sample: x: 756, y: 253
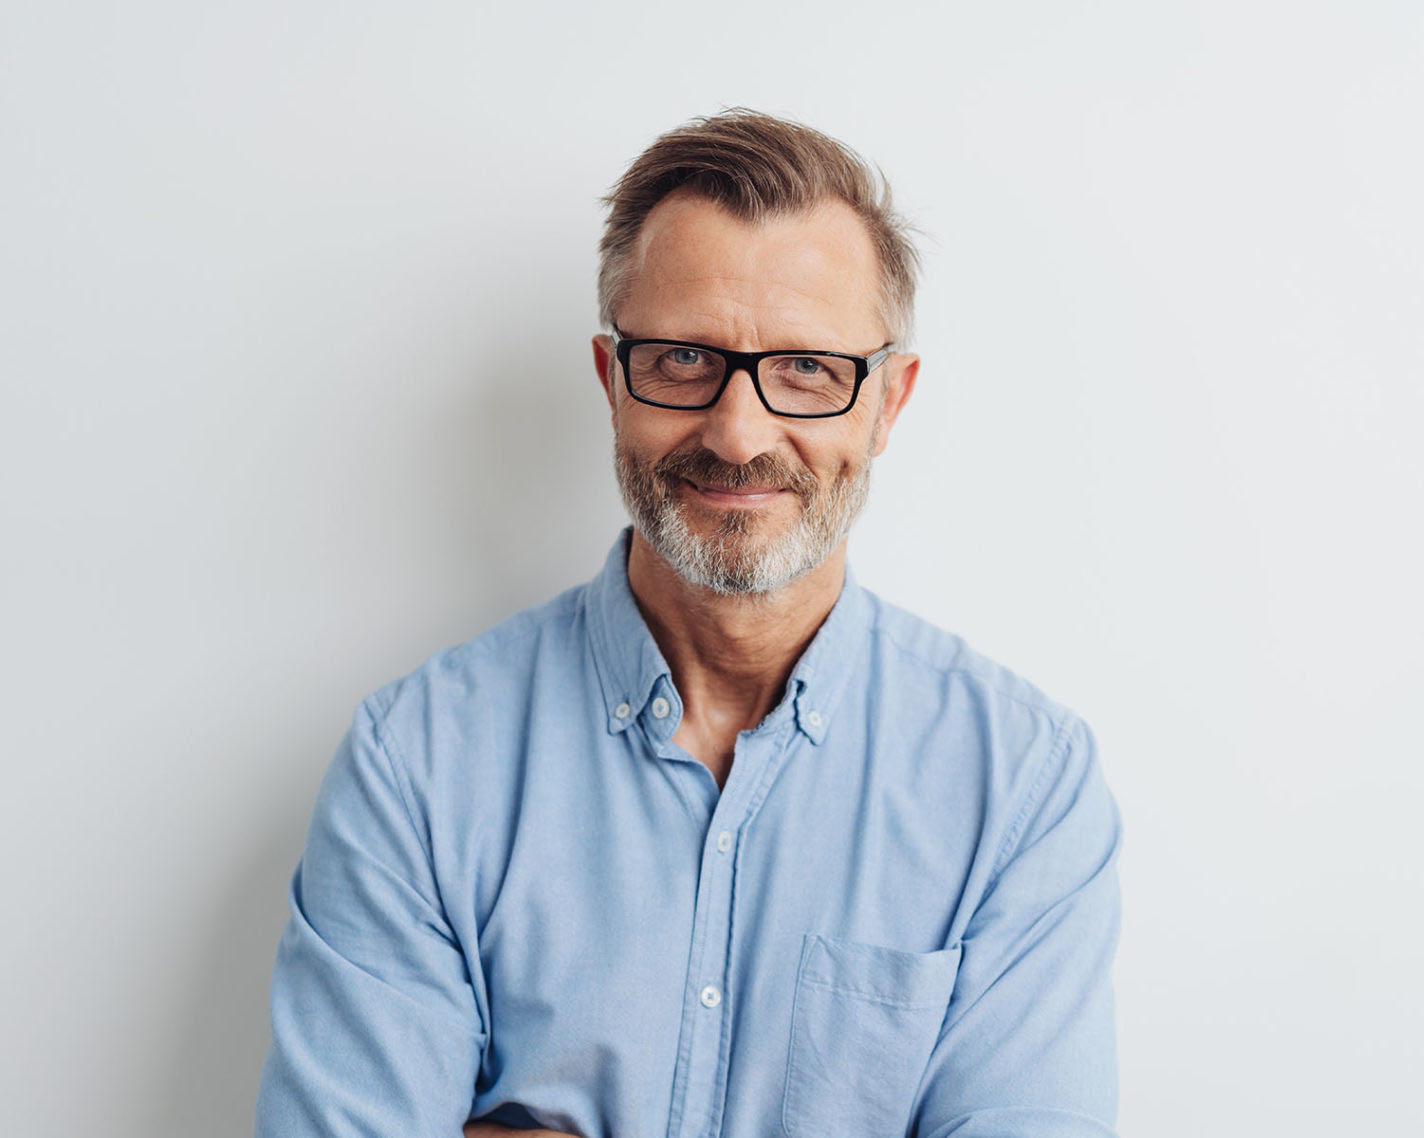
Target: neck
x: 730, y: 656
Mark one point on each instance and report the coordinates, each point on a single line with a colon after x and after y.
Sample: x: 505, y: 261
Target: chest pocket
x: 863, y: 1023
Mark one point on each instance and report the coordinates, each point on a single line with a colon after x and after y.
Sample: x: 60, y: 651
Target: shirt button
x: 661, y: 707
x: 724, y: 841
x: 813, y: 718
x: 622, y: 711
x: 710, y: 997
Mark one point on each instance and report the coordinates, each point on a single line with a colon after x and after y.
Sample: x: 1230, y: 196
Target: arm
x: 1027, y: 1048
x: 375, y: 1024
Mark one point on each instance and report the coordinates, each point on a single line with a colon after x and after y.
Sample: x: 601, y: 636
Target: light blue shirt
x: 520, y: 899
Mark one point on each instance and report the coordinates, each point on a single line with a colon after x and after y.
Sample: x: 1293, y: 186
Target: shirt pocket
x: 864, y: 1020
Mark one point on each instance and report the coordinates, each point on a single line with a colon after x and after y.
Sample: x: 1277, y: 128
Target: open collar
x: 637, y: 683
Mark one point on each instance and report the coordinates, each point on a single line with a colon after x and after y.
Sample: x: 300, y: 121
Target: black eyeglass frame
x: 748, y: 361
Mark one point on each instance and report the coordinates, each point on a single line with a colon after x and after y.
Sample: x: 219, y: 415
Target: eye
x: 805, y: 365
x: 686, y: 357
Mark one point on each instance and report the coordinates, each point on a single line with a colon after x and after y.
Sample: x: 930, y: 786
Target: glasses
x: 684, y: 376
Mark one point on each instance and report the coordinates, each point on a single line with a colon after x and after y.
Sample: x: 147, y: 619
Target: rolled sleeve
x: 1028, y: 1046
x: 376, y: 1028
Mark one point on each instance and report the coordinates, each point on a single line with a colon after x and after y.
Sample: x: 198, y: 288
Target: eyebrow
x: 804, y: 346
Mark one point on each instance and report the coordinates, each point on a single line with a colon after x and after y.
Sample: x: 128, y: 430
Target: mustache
x: 700, y: 465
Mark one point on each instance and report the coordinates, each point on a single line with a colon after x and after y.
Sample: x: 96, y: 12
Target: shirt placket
x: 699, y: 1087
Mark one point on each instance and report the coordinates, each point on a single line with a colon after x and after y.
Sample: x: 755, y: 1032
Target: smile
x: 742, y: 496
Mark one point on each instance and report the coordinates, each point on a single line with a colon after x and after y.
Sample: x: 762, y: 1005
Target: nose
x: 737, y: 427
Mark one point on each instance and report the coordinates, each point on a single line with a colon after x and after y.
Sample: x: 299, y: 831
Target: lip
x: 744, y: 497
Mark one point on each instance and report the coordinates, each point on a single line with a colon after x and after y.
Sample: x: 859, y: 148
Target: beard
x: 737, y: 557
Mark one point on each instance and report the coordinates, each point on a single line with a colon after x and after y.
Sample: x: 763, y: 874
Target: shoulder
x: 985, y: 717
x: 913, y: 645
x: 1032, y: 754
x: 461, y: 686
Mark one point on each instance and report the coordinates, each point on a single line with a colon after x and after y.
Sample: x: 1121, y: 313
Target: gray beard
x: 730, y: 560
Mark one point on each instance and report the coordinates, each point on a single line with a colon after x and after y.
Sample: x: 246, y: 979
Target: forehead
x: 807, y: 279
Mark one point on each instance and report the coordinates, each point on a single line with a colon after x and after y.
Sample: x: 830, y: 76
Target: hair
x: 756, y: 167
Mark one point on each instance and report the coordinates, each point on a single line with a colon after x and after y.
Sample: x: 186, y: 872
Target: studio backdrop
x: 295, y: 309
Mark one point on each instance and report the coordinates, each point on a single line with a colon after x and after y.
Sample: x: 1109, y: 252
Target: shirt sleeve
x: 376, y: 1030
x: 1028, y: 1045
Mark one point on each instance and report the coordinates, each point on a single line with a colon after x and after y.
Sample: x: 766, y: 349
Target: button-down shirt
x: 520, y: 899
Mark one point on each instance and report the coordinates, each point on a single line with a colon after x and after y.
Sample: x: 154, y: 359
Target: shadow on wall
x: 223, y: 1040
x: 522, y: 470
x: 540, y: 503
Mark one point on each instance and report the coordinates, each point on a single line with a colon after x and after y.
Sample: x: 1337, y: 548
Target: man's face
x: 735, y: 498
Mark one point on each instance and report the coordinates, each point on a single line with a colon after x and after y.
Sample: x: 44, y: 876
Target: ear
x: 603, y: 363
x: 902, y: 369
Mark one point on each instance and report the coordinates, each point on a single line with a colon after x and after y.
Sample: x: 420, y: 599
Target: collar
x: 637, y: 683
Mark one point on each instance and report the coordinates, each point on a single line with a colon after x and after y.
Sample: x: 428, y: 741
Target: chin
x: 744, y: 524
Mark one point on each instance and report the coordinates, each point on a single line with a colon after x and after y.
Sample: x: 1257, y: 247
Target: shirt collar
x: 633, y: 674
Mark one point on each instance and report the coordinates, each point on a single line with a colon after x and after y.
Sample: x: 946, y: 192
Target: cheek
x: 648, y: 444
x: 834, y: 459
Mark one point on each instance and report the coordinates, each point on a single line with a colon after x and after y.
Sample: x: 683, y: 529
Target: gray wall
x: 295, y: 301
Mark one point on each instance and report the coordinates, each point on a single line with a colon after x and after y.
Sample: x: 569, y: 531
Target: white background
x: 294, y: 309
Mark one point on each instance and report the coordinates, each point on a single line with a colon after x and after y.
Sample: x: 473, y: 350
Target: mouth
x: 744, y: 497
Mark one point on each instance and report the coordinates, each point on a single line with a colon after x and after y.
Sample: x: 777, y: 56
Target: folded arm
x: 375, y: 1026
x: 1027, y: 1048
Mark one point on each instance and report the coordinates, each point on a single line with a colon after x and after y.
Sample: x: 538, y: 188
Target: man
x: 719, y: 843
